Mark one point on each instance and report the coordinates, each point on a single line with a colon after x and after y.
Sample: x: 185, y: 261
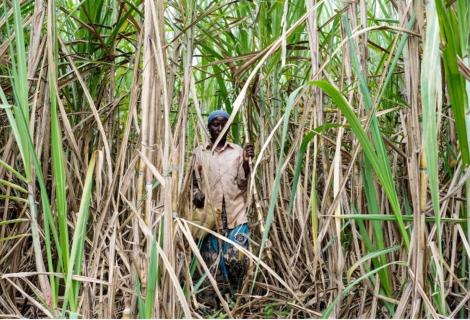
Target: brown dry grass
x: 134, y: 81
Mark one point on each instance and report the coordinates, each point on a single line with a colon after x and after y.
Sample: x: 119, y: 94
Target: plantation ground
x: 359, y: 194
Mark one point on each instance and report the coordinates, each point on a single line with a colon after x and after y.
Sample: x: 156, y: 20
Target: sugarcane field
x: 252, y: 159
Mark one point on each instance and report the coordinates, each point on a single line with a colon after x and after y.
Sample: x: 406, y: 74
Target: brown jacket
x: 219, y: 175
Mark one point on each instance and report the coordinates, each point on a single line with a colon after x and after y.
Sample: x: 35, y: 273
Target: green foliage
x: 78, y: 249
x: 277, y: 180
x: 379, y: 164
x: 71, y: 83
x: 299, y: 159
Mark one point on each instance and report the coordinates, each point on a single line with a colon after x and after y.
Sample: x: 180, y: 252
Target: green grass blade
x: 78, y: 239
x: 386, y: 217
x: 152, y: 273
x: 140, y: 301
x: 454, y: 45
x: 6, y: 165
x: 19, y: 220
x: 373, y: 206
x: 20, y: 79
x: 58, y: 162
x: 381, y: 152
x: 431, y: 97
x: 18, y: 117
x: 277, y: 180
x: 368, y: 257
x: 13, y: 186
x: 376, y: 163
x: 326, y: 314
x: 450, y: 34
x: 401, y: 45
x: 299, y: 160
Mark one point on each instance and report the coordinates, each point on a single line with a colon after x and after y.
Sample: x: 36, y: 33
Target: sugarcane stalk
x: 418, y: 233
x: 258, y: 208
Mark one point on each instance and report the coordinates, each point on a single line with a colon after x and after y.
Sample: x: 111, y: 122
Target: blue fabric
x: 217, y: 113
x: 230, y: 254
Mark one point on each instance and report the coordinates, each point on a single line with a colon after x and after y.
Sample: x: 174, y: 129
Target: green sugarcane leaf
x: 376, y: 162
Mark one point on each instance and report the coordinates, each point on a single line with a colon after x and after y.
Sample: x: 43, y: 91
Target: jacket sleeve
x: 242, y: 179
x: 195, y: 180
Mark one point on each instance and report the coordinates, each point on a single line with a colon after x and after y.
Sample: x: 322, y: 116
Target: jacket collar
x: 227, y: 144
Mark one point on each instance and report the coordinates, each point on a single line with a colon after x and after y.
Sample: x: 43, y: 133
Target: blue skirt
x: 232, y: 263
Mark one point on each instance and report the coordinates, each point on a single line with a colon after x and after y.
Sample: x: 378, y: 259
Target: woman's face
x: 216, y: 126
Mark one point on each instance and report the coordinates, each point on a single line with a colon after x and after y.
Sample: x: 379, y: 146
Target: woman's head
x: 216, y: 122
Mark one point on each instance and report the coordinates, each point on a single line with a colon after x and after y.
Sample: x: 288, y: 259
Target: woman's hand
x: 199, y: 199
x: 248, y: 152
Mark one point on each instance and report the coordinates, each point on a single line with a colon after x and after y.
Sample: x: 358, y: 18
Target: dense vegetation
x: 359, y: 196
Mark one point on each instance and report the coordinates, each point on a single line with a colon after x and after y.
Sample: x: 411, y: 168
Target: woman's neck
x: 221, y: 143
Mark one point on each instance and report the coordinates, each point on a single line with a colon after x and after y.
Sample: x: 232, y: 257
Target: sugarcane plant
x: 358, y: 194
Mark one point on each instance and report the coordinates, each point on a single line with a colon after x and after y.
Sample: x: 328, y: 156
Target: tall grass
x: 359, y: 193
